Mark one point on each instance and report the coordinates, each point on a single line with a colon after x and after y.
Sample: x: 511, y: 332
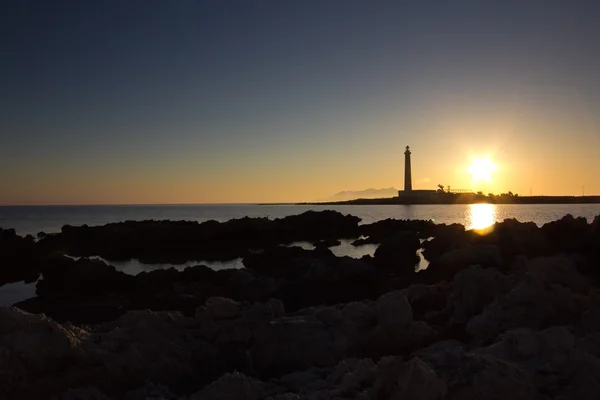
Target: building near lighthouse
x: 408, y: 190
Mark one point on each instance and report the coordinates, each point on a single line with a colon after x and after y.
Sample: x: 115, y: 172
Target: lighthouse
x: 410, y: 196
x: 407, y: 172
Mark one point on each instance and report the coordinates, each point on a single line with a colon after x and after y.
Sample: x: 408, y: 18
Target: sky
x: 147, y: 101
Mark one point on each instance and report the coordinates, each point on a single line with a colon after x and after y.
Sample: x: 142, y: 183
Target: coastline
x: 448, y: 198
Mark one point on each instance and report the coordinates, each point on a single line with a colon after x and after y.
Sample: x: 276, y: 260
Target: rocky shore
x: 509, y: 313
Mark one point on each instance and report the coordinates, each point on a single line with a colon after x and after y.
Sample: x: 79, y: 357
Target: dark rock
x: 567, y: 234
x: 399, y: 253
x: 448, y: 264
x: 430, y: 302
x: 327, y: 243
x: 511, y: 313
x: 530, y: 304
x: 181, y: 241
x: 232, y: 386
x: 414, y: 379
x: 474, y: 288
x: 286, y: 262
x: 331, y: 280
x: 20, y: 259
x: 82, y: 291
x: 82, y: 277
x: 518, y: 239
x: 380, y: 231
x: 361, y: 241
x: 445, y: 239
x: 322, y: 336
x: 476, y: 376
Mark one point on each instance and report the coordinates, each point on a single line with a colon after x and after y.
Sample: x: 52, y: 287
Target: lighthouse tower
x: 407, y: 172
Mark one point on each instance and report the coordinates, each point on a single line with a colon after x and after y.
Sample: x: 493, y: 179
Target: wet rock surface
x: 509, y: 314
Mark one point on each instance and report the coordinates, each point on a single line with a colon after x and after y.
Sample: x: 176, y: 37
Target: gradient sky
x: 144, y: 101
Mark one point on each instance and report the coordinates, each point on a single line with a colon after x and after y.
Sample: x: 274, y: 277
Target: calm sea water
x: 49, y: 219
x: 33, y: 219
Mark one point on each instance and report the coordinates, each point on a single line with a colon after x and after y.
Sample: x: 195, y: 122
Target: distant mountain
x: 363, y: 194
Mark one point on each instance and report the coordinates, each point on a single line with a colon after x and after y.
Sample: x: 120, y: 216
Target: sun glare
x: 481, y: 216
x: 481, y: 169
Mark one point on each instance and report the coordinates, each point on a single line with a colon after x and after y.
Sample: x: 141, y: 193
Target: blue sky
x: 241, y: 101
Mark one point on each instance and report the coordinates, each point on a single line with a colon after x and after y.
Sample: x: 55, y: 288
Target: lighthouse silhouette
x: 407, y: 172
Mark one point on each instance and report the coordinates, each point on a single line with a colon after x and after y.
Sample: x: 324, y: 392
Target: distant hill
x: 363, y: 194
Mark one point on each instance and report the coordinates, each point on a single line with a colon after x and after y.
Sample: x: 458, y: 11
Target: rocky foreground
x: 513, y: 312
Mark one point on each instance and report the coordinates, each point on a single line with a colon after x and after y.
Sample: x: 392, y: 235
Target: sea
x: 50, y: 219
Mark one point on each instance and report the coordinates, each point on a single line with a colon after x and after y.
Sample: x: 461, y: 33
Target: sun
x: 481, y: 169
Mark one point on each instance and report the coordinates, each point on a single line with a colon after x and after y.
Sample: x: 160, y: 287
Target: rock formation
x: 513, y: 314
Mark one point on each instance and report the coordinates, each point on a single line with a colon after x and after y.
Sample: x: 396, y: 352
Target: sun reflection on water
x: 480, y: 216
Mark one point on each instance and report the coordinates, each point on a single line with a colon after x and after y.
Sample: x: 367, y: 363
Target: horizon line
x: 306, y: 202
x: 145, y: 204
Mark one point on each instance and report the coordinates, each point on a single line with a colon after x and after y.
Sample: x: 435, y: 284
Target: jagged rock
x: 558, y: 270
x: 398, y: 252
x: 293, y: 343
x: 151, y: 391
x: 445, y: 238
x: 285, y: 396
x: 518, y: 239
x: 590, y: 319
x: 361, y: 242
x: 181, y: 241
x: 560, y: 364
x: 476, y: 376
x: 33, y: 346
x: 450, y: 263
x: 394, y: 337
x: 83, y: 277
x: 536, y: 318
x: 567, y: 234
x: 529, y: 304
x: 82, y: 291
x: 474, y: 288
x: 233, y: 386
x: 286, y: 262
x: 391, y: 378
x: 154, y: 346
x: 240, y: 327
x: 429, y: 302
x: 322, y: 336
x: 327, y: 243
x: 272, y: 308
x: 546, y: 349
x: 394, y: 312
x: 363, y: 374
x: 306, y: 381
x: 359, y: 318
x: 379, y: 231
x: 329, y: 281
x: 398, y: 380
x: 20, y: 259
x: 223, y: 308
x: 84, y: 393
